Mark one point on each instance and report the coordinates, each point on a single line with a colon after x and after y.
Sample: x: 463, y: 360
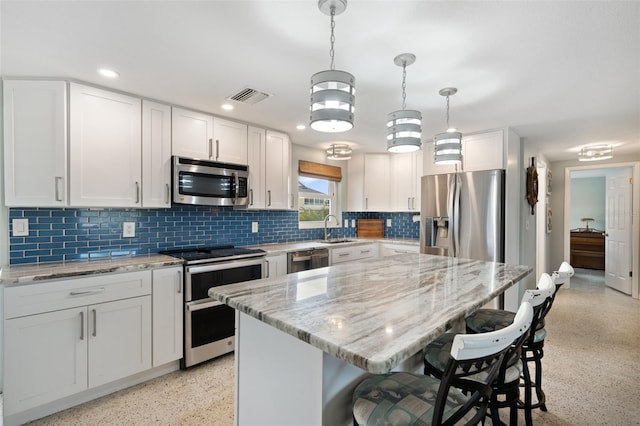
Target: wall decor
x: 532, y: 185
x: 549, y: 224
x: 548, y: 181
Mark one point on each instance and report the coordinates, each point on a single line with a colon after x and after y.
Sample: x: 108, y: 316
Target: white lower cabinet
x: 66, y: 336
x: 276, y: 265
x: 168, y: 315
x: 351, y: 253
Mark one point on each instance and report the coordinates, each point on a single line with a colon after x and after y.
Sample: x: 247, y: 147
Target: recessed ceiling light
x: 105, y: 72
x: 227, y: 107
x: 301, y: 127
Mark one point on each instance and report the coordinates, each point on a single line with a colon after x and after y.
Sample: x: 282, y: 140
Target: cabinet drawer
x: 48, y: 296
x: 347, y: 254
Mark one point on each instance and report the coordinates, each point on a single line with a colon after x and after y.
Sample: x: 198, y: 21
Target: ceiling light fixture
x: 339, y: 151
x: 105, y: 72
x: 227, y: 107
x: 447, y: 146
x: 404, y: 126
x: 596, y: 152
x: 301, y: 127
x: 332, y: 91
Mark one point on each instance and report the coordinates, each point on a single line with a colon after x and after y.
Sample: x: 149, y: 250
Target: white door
x: 618, y: 249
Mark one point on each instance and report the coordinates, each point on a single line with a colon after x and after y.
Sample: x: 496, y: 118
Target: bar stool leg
x: 526, y: 405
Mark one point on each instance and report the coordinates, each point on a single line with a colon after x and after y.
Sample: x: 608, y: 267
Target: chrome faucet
x: 326, y: 219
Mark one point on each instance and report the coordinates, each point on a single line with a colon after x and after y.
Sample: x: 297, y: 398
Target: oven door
x: 209, y: 324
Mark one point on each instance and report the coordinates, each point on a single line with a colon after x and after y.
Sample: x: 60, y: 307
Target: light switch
x: 128, y: 229
x: 388, y: 223
x: 20, y: 227
x: 254, y: 226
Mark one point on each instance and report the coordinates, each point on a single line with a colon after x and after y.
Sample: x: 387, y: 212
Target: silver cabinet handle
x: 167, y: 193
x: 217, y: 149
x: 291, y: 196
x: 365, y: 251
x: 95, y: 322
x: 236, y: 185
x: 413, y: 203
x: 344, y: 254
x: 409, y: 203
x: 81, y: 325
x: 202, y: 304
x: 366, y: 203
x: 210, y: 148
x: 269, y: 197
x: 268, y: 263
x: 179, y: 282
x: 87, y: 292
x: 137, y: 192
x: 58, y: 179
x: 251, y: 197
x: 300, y: 258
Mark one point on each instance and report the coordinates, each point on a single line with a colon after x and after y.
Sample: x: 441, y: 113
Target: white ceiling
x: 562, y: 74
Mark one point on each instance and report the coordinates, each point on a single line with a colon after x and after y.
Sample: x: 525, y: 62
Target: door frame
x: 635, y: 210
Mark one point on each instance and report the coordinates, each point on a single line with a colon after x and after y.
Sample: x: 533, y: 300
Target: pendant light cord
x: 333, y: 37
x: 404, y: 85
x: 448, y: 127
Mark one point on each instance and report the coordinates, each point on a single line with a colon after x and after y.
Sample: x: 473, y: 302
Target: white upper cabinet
x: 406, y: 171
x: 201, y: 136
x: 156, y: 154
x: 277, y: 171
x: 480, y: 151
x: 376, y: 182
x: 230, y: 141
x: 105, y: 148
x: 256, y: 152
x: 35, y: 143
x: 191, y: 134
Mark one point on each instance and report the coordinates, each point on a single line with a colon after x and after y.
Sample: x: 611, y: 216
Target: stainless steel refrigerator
x: 462, y: 215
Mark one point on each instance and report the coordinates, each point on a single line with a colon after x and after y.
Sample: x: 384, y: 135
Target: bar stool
x: 461, y: 395
x: 507, y: 382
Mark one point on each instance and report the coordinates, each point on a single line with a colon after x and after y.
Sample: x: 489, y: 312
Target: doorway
x: 599, y: 206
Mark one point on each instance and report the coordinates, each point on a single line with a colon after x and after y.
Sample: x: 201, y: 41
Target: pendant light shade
x: 447, y: 146
x: 332, y: 91
x: 404, y: 127
x: 596, y: 152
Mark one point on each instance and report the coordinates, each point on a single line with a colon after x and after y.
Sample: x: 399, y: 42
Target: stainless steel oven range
x: 209, y: 326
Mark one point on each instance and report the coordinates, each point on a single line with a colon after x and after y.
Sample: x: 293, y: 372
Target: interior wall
x: 588, y: 201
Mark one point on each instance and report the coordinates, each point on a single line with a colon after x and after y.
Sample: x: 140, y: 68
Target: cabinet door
x: 376, y: 182
x: 105, y: 148
x: 418, y: 162
x: 484, y: 151
x: 276, y: 265
x: 35, y: 143
x: 191, y: 134
x: 168, y: 305
x: 277, y: 170
x: 48, y: 358
x: 256, y: 152
x: 230, y: 140
x: 355, y: 183
x: 119, y: 339
x: 156, y: 154
x: 402, y: 182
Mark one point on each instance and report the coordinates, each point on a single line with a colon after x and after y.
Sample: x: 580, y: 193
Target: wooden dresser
x: 587, y: 250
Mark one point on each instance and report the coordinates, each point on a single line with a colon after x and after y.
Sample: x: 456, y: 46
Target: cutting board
x: 370, y: 228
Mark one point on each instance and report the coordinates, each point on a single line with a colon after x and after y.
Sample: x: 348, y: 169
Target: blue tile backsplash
x: 71, y: 234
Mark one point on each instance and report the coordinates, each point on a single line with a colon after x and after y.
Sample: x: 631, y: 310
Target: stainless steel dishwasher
x: 303, y: 260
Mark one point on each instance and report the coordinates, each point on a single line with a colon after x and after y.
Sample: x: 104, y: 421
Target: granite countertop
x: 19, y: 274
x: 373, y: 314
x: 278, y: 248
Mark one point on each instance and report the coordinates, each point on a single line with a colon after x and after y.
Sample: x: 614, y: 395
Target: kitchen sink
x: 337, y: 240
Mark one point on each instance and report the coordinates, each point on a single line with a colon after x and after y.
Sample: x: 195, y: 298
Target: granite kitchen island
x: 305, y: 340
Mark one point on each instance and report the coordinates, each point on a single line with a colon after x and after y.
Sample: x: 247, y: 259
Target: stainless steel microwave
x: 209, y: 183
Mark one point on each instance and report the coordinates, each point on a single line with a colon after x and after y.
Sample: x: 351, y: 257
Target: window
x: 316, y: 199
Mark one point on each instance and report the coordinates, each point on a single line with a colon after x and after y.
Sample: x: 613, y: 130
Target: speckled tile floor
x: 591, y: 372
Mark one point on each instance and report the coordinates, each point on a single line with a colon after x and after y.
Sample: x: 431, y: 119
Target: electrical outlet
x: 20, y: 227
x: 353, y: 223
x: 128, y: 229
x: 346, y: 223
x: 388, y: 223
x: 254, y: 226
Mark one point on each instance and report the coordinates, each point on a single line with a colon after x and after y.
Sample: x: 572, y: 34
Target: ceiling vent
x: 250, y: 96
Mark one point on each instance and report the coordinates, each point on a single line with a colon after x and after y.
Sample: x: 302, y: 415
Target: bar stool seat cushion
x: 402, y: 399
x: 436, y: 354
x: 485, y: 320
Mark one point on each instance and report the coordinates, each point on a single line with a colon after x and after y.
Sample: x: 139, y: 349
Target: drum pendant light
x: 404, y: 127
x: 332, y: 91
x: 447, y: 146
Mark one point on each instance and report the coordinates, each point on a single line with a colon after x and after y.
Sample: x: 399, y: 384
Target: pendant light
x: 404, y: 126
x: 447, y: 146
x: 596, y: 152
x: 339, y: 151
x: 332, y: 91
